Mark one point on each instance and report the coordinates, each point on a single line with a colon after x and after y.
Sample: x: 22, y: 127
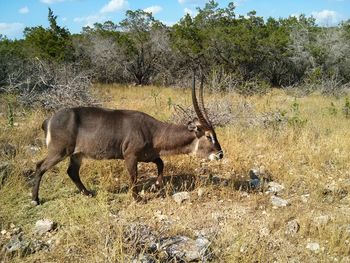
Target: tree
x: 53, y: 43
x: 142, y: 35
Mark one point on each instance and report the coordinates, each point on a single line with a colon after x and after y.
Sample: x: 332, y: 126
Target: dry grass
x: 309, y: 158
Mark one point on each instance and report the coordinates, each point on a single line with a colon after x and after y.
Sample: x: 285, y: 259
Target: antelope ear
x: 194, y: 125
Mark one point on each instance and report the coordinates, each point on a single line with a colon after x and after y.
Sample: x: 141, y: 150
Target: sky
x: 15, y: 15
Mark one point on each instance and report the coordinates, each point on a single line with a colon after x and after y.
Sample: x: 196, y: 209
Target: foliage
x: 234, y: 52
x: 53, y: 43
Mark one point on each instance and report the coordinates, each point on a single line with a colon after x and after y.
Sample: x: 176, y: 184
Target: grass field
x: 307, y: 152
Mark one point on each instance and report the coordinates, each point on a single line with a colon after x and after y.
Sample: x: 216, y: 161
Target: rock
x: 273, y: 187
x: 180, y: 197
x: 8, y: 150
x: 264, y: 231
x: 244, y: 194
x: 333, y: 192
x: 254, y: 183
x: 17, y: 245
x: 139, y: 236
x: 3, y: 232
x: 200, y: 192
x: 43, y: 226
x: 279, y: 202
x: 143, y: 258
x: 159, y: 215
x: 182, y: 248
x: 209, y: 232
x: 313, y: 246
x: 305, y: 198
x: 31, y: 149
x: 292, y: 227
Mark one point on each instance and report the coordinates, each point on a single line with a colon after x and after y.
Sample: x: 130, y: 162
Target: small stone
x: 200, y: 192
x: 12, y: 225
x: 313, y: 246
x: 244, y: 194
x: 159, y: 215
x: 184, y: 248
x: 292, y: 227
x: 3, y: 232
x: 264, y: 232
x: 43, y: 226
x: 180, y: 197
x: 31, y: 149
x: 322, y: 220
x: 305, y: 198
x: 279, y: 202
x: 273, y: 187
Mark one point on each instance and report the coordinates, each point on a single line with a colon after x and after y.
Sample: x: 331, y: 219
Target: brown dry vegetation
x: 310, y: 158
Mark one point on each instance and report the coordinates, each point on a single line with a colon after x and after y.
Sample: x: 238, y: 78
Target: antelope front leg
x: 160, y: 180
x: 131, y: 165
x: 160, y: 167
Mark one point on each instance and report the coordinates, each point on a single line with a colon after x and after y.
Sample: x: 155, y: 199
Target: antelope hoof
x: 87, y: 193
x: 34, y: 203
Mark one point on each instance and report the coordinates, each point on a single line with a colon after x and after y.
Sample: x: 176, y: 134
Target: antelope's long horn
x: 195, y: 103
x: 201, y: 102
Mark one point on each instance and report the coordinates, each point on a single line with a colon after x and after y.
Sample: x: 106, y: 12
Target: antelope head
x: 207, y: 144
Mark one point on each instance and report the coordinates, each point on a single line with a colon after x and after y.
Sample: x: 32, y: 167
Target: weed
x: 332, y: 110
x: 296, y: 121
x: 170, y: 103
x: 155, y: 95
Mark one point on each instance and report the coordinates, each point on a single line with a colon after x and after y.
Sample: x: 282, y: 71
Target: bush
x: 51, y: 86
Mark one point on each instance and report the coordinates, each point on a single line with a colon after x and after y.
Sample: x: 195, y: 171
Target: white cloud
x: 326, y: 17
x: 90, y: 20
x: 239, y: 2
x: 24, y: 10
x: 153, y: 9
x: 101, y: 16
x: 114, y: 5
x: 51, y: 1
x: 11, y: 29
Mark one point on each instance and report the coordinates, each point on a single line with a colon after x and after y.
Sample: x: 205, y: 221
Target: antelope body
x: 97, y: 133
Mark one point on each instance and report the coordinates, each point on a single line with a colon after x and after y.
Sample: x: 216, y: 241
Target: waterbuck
x: 90, y: 132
